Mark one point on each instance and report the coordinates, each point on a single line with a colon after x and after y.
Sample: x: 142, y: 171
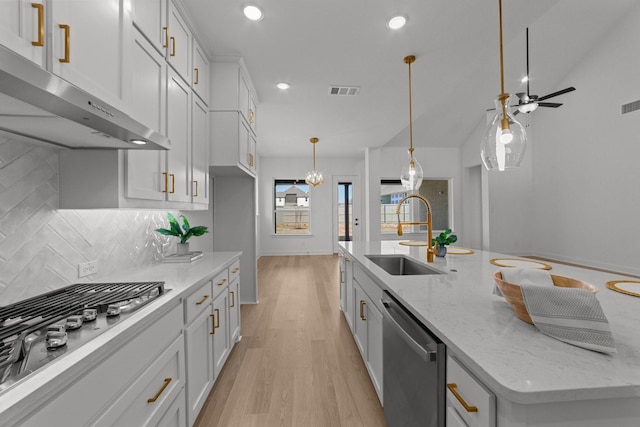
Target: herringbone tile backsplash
x: 41, y: 246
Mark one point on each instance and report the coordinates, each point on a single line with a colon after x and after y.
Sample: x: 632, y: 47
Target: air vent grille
x: 632, y: 106
x: 344, y: 90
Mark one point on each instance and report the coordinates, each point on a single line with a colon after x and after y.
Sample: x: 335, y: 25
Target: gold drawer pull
x: 164, y: 386
x: 453, y: 388
x: 173, y: 183
x: 40, y: 41
x: 213, y: 324
x: 233, y: 299
x: 204, y: 298
x: 252, y: 116
x: 217, y: 318
x: 223, y: 282
x: 196, y: 192
x: 67, y: 41
x: 362, y: 304
x: 173, y: 46
x: 235, y: 270
x: 197, y: 76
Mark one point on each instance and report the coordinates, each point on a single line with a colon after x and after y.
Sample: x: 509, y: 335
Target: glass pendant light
x: 411, y: 175
x: 505, y: 140
x: 314, y: 177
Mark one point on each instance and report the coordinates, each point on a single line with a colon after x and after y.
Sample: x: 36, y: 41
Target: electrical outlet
x: 87, y: 268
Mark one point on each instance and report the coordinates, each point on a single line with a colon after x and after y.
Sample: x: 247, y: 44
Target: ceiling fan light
x: 528, y: 107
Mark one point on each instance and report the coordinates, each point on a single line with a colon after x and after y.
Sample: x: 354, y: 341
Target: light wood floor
x: 297, y: 364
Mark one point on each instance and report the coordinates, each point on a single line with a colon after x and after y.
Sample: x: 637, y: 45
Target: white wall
x: 575, y: 198
x: 586, y: 195
x: 320, y: 241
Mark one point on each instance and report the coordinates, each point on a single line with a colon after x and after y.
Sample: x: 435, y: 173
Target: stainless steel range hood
x: 37, y: 105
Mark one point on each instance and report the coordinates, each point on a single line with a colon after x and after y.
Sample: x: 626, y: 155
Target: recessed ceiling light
x: 283, y: 85
x: 253, y: 12
x: 397, y: 22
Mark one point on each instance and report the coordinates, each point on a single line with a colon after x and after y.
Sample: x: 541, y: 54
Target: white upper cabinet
x: 232, y: 90
x: 178, y: 174
x: 200, y: 75
x: 179, y: 47
x: 88, y: 40
x: 22, y: 28
x: 150, y: 17
x: 200, y: 158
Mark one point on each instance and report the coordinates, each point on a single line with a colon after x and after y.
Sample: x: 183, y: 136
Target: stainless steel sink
x: 400, y: 265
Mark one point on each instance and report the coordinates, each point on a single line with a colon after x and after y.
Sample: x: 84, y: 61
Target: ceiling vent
x: 632, y: 106
x: 344, y: 90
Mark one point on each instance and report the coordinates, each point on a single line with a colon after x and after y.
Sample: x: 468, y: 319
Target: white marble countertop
x: 180, y: 279
x: 513, y: 358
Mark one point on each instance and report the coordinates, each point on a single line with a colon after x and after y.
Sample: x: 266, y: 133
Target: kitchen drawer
x: 234, y: 270
x: 220, y: 282
x: 150, y: 396
x: 197, y: 302
x: 473, y: 393
x: 373, y: 291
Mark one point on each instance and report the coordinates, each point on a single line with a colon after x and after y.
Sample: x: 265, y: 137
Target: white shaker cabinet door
x: 178, y: 178
x: 179, y: 48
x: 200, y: 146
x: 150, y: 17
x: 89, y: 42
x: 22, y: 28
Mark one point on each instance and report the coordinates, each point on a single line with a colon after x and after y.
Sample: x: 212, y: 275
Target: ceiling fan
x: 528, y: 103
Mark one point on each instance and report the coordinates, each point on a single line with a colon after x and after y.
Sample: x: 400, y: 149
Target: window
x: 291, y: 206
x: 435, y: 190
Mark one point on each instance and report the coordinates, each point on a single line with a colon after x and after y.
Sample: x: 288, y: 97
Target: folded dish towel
x: 569, y: 314
x: 524, y: 276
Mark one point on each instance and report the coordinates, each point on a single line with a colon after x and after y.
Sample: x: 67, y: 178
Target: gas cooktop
x: 36, y: 331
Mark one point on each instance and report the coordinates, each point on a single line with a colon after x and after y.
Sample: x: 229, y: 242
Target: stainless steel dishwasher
x: 414, y: 370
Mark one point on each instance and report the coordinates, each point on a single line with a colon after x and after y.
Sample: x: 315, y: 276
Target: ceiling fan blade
x: 560, y: 92
x: 549, y: 104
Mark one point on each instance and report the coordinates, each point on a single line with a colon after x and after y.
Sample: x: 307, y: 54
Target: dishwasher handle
x: 425, y: 354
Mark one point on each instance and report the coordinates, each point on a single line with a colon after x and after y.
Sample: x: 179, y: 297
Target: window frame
x: 307, y: 196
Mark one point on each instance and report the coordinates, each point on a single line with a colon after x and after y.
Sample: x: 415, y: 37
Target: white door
x: 347, y: 219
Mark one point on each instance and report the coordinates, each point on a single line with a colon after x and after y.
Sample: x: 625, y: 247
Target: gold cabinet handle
x: 173, y: 46
x: 347, y: 259
x: 195, y: 193
x: 165, y: 44
x: 197, y: 76
x: 40, y: 8
x: 166, y: 182
x: 213, y: 324
x: 164, y: 386
x: 252, y: 116
x: 251, y: 160
x: 67, y: 41
x: 362, y: 304
x: 204, y: 298
x: 173, y: 183
x: 217, y: 318
x: 453, y: 388
x: 222, y: 282
x: 233, y: 299
x: 235, y: 270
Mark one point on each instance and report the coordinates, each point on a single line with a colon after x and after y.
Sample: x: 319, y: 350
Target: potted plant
x: 184, y: 233
x: 445, y: 238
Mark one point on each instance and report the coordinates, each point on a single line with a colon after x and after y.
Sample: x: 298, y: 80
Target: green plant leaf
x: 166, y: 232
x: 185, y: 223
x: 174, y: 225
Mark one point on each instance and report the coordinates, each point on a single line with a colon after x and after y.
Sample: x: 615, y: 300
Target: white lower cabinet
x: 220, y: 333
x: 347, y: 304
x: 234, y: 311
x: 469, y: 402
x: 367, y: 332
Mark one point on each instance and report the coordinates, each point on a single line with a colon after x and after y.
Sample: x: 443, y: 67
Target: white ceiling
x: 313, y: 44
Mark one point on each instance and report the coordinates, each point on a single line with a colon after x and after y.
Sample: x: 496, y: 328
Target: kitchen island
x: 537, y: 379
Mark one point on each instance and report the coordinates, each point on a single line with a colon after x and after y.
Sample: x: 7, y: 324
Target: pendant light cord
x: 409, y: 59
x: 502, y: 94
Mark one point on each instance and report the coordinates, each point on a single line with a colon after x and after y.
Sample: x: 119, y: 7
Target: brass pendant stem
x: 503, y: 95
x: 409, y: 60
